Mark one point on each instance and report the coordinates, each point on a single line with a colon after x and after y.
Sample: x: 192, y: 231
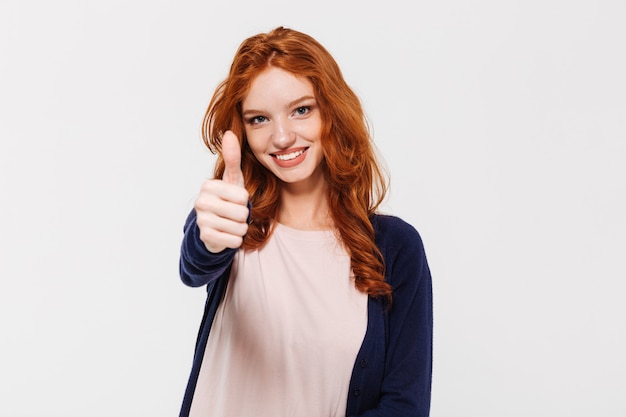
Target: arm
x: 198, y: 266
x: 405, y: 389
x: 216, y: 226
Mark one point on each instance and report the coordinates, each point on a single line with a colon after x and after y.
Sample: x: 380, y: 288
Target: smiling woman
x: 285, y: 133
x: 317, y: 304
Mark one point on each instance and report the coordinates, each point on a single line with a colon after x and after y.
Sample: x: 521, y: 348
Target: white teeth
x: 289, y: 156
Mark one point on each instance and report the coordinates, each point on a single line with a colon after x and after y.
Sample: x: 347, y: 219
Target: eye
x: 256, y: 120
x: 302, y: 110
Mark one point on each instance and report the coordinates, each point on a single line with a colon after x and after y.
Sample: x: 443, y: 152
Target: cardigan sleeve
x: 405, y: 389
x: 197, y: 265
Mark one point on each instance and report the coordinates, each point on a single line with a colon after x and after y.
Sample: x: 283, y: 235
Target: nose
x: 283, y: 135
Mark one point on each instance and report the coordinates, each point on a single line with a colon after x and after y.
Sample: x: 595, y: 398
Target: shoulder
x: 402, y: 248
x: 392, y: 231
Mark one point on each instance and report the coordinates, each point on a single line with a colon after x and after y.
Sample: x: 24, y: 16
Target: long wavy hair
x: 357, y: 183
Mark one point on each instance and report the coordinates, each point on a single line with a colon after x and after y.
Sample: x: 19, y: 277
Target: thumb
x: 231, y: 153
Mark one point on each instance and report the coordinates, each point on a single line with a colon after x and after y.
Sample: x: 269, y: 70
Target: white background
x: 503, y: 125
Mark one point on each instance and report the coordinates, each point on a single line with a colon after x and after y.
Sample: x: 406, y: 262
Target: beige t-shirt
x: 284, y: 339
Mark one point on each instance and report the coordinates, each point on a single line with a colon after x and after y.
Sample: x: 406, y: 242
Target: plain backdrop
x: 503, y: 126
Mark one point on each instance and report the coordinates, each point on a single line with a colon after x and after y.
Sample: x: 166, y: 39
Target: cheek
x: 253, y: 143
x: 253, y: 150
x: 257, y: 152
x: 313, y: 129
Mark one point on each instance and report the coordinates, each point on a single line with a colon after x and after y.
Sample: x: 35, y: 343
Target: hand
x: 222, y: 205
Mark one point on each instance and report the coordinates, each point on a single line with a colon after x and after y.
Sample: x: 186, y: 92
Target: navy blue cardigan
x: 393, y: 369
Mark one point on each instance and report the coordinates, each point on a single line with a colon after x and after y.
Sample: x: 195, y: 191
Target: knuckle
x: 245, y: 196
x: 241, y: 214
x: 206, y: 234
x: 208, y: 184
x: 240, y: 195
x: 205, y: 203
x: 201, y: 202
x: 236, y: 242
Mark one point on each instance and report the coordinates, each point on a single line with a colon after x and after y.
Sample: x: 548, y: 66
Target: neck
x: 305, y: 207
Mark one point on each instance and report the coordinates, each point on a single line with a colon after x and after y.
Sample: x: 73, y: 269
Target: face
x: 283, y: 125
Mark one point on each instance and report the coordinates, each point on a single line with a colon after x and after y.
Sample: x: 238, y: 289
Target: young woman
x: 317, y: 305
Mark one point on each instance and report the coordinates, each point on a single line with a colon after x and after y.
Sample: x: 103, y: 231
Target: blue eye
x: 303, y: 110
x: 257, y: 120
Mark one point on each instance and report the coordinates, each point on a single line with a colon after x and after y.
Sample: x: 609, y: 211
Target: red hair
x: 357, y: 185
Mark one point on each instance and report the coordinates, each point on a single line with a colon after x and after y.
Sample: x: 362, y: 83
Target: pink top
x: 285, y: 338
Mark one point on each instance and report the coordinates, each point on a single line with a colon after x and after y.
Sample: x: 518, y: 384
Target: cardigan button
x: 357, y: 392
x: 363, y: 363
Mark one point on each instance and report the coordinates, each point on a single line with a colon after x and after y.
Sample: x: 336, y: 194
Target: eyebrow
x: 290, y: 104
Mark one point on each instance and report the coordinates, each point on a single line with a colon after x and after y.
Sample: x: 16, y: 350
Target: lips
x: 290, y: 157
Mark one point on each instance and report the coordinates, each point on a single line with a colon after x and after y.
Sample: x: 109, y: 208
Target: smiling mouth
x: 289, y: 156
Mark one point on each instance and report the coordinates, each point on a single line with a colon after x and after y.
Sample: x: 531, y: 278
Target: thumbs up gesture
x: 222, y: 205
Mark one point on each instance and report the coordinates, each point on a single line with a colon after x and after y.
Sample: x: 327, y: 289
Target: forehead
x: 275, y: 85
